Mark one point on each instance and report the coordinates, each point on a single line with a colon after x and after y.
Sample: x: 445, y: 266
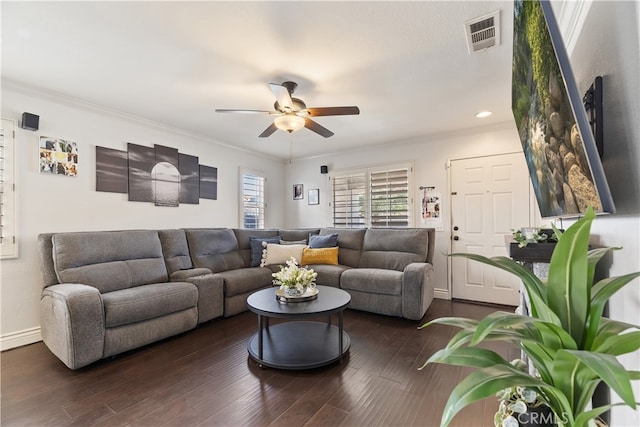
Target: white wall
x: 49, y: 203
x: 609, y: 46
x: 429, y: 155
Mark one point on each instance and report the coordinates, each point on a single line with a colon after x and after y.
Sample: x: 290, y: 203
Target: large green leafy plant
x: 567, y: 339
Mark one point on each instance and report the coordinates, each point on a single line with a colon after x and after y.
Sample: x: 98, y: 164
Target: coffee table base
x: 299, y: 345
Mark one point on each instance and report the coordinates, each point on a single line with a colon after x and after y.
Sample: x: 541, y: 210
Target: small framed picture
x: 314, y: 196
x: 58, y: 156
x: 298, y: 192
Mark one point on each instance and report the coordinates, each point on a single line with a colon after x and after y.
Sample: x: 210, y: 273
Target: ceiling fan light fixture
x: 289, y: 122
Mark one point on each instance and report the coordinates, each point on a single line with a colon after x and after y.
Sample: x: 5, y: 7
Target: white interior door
x: 489, y: 197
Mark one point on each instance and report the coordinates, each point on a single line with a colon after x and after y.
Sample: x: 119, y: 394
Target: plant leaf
x: 488, y: 381
x: 587, y: 391
x: 601, y: 292
x: 602, y: 366
x: 541, y: 310
x: 620, y: 344
x: 556, y: 231
x: 554, y: 337
x: 570, y: 376
x: 467, y: 356
x: 458, y: 322
x: 568, y: 293
x: 593, y: 257
x: 608, y: 328
x: 464, y: 336
x: 541, y: 358
x: 496, y: 320
x: 549, y: 334
x: 583, y: 418
x: 634, y: 375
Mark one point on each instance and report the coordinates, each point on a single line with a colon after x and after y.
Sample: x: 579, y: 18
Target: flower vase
x: 294, y: 291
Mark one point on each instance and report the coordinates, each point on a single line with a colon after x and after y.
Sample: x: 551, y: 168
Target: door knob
x: 456, y: 228
x: 456, y: 238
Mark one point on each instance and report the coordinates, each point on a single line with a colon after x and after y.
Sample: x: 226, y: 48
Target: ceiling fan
x: 293, y: 113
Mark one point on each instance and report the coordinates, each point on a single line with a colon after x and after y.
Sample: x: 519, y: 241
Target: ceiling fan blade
x: 282, y: 96
x: 317, y: 128
x: 333, y: 111
x: 268, y: 131
x: 226, y: 110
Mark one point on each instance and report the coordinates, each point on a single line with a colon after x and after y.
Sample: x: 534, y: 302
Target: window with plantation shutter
x: 372, y: 197
x: 253, y: 200
x: 8, y: 241
x: 389, y: 196
x: 349, y: 201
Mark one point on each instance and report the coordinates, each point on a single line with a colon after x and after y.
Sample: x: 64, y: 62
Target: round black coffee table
x: 298, y: 344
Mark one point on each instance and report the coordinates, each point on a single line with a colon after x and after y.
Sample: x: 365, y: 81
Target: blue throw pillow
x: 256, y: 248
x: 326, y: 241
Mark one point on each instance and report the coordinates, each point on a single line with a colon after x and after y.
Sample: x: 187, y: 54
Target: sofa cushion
x: 147, y: 302
x: 245, y: 280
x: 215, y: 249
x: 328, y: 275
x: 257, y: 248
x: 326, y: 241
x: 319, y: 256
x: 175, y: 249
x: 109, y: 260
x: 394, y: 249
x: 280, y: 254
x: 372, y: 280
x: 350, y: 243
x: 293, y: 242
x: 298, y: 233
x: 47, y: 268
x: 244, y: 235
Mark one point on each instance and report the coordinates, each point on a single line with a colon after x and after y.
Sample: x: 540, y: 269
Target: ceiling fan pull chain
x: 290, y: 147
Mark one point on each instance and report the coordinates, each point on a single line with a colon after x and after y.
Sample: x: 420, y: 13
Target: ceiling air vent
x: 483, y: 32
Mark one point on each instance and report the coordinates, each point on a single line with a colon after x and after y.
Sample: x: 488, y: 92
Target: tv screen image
x: 559, y: 147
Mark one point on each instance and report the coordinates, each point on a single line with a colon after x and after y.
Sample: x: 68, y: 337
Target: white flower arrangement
x: 293, y: 276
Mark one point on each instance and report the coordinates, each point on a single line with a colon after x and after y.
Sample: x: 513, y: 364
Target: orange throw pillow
x: 319, y: 256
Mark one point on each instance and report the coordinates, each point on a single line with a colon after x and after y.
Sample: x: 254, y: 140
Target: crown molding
x: 101, y: 109
x: 418, y: 139
x: 571, y: 16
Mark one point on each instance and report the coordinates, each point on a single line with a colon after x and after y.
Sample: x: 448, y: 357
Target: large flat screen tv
x: 559, y: 146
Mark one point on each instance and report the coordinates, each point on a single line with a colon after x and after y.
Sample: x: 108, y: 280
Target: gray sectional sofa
x: 106, y: 292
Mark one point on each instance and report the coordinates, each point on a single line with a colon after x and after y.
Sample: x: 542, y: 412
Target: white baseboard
x: 20, y: 338
x: 441, y: 294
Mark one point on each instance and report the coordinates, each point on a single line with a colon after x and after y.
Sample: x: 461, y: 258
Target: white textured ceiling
x: 405, y: 64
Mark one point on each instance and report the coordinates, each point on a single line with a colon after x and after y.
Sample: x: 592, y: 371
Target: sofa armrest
x: 210, y: 291
x: 182, y: 275
x: 417, y: 290
x: 72, y: 323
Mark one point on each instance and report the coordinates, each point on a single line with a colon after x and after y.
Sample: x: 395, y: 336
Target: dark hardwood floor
x: 205, y: 378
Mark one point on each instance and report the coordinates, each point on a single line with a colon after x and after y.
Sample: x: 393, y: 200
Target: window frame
x: 368, y: 171
x: 242, y: 204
